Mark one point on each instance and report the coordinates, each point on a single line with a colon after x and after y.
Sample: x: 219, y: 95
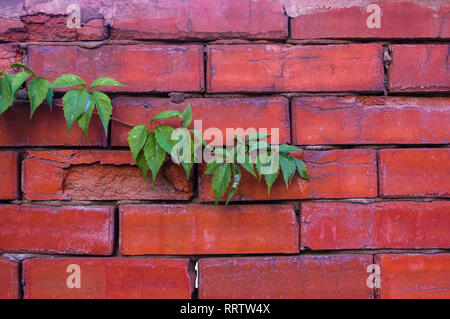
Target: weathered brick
x: 333, y: 174
x: 97, y: 175
x: 7, y: 55
x: 142, y: 68
x: 199, y: 19
x: 338, y: 225
x: 419, y: 68
x: 415, y: 172
x: 415, y: 276
x: 348, y: 19
x: 220, y: 113
x: 342, y: 276
x: 9, y: 279
x: 370, y: 120
x: 62, y: 230
x: 109, y: 278
x: 48, y: 127
x: 281, y: 68
x: 9, y: 175
x: 203, y: 229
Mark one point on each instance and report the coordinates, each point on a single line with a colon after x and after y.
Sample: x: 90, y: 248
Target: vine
x: 151, y: 145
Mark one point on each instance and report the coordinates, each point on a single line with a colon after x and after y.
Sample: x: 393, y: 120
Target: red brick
x: 342, y: 19
x: 97, y: 175
x: 220, y: 113
x: 62, y: 230
x: 48, y: 127
x: 282, y: 68
x: 338, y: 225
x: 203, y: 229
x: 9, y: 279
x: 109, y: 278
x: 7, y: 55
x: 419, y: 68
x: 370, y: 120
x: 333, y: 174
x: 199, y: 19
x: 9, y: 175
x: 143, y: 68
x: 415, y: 276
x: 342, y: 276
x: 415, y: 172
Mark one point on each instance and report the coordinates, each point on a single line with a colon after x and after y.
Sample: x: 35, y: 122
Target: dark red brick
x: 9, y: 279
x: 9, y: 175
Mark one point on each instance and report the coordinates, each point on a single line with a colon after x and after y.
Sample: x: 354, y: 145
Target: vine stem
x: 116, y: 120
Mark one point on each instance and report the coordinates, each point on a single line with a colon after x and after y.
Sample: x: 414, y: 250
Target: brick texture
x: 220, y: 113
x: 342, y: 276
x: 370, y: 120
x: 203, y: 229
x: 333, y: 174
x: 97, y: 175
x: 9, y: 279
x: 7, y: 56
x: 9, y: 175
x: 162, y: 68
x: 61, y: 230
x: 415, y: 172
x: 344, y: 19
x: 279, y: 68
x: 419, y: 68
x: 47, y: 128
x: 415, y: 276
x: 109, y: 278
x: 337, y: 225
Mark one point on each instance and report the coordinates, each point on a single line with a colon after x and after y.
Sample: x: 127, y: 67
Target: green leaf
x: 258, y: 145
x: 68, y: 80
x: 301, y: 168
x: 37, y: 92
x: 270, y: 179
x: 188, y: 165
x: 187, y: 116
x: 154, y: 155
x: 85, y: 119
x: 6, y: 98
x: 164, y: 137
x: 105, y: 82
x: 198, y: 136
x: 136, y: 140
x: 142, y: 164
x: 248, y: 166
x: 235, y: 185
x: 256, y: 136
x: 18, y: 80
x: 287, y: 168
x: 22, y: 66
x: 166, y: 115
x: 220, y: 181
x: 284, y: 148
x: 49, y: 97
x: 104, y: 108
x: 75, y: 103
x: 211, y: 167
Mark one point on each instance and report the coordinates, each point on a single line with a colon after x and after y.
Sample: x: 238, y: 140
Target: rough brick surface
x: 348, y: 19
x: 415, y: 276
x: 419, y: 68
x: 97, y: 175
x: 370, y: 120
x: 201, y: 19
x: 7, y: 56
x: 62, y: 230
x: 220, y: 113
x: 337, y: 225
x: 48, y: 127
x: 333, y: 174
x: 142, y: 68
x: 310, y: 277
x: 9, y: 279
x: 109, y: 278
x: 9, y: 175
x: 280, y: 68
x: 203, y: 229
x: 415, y: 172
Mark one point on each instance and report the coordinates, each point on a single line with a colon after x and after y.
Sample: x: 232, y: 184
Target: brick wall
x: 369, y: 107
